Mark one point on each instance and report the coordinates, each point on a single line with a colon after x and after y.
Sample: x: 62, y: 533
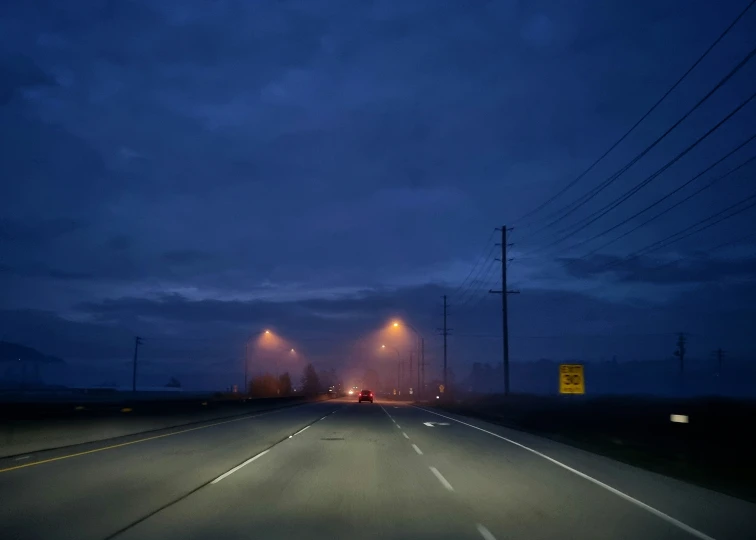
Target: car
x: 365, y: 395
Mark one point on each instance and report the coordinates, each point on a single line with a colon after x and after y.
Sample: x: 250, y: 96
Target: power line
x: 667, y: 210
x: 642, y: 118
x: 474, y: 285
x: 595, y: 191
x: 635, y: 189
x: 687, y: 231
x: 478, y: 260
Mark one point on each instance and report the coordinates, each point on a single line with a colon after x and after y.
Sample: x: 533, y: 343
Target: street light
x: 398, y: 367
x: 420, y: 352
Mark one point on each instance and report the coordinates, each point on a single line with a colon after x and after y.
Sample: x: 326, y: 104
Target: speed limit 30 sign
x: 571, y: 379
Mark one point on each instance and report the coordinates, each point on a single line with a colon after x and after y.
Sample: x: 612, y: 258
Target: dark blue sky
x: 195, y: 171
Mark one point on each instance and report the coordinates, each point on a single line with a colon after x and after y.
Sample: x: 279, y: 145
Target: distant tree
x: 310, y: 380
x: 284, y: 384
x: 264, y: 385
x: 173, y: 383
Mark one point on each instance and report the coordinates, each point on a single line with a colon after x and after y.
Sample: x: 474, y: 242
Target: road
x: 339, y: 469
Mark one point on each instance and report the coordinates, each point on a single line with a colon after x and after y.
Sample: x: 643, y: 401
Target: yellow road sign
x: 571, y: 379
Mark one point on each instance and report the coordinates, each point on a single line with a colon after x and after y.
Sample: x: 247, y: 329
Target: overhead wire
x: 635, y: 189
x: 581, y: 201
x: 482, y: 257
x: 642, y: 118
x: 671, y: 193
x: 669, y: 209
x: 689, y: 231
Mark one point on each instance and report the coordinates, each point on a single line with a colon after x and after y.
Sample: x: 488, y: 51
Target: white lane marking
x: 431, y: 424
x: 397, y: 425
x: 326, y: 416
x: 485, y: 533
x: 21, y: 458
x: 658, y: 513
x: 441, y: 479
x: 300, y: 431
x: 405, y: 435
x: 417, y: 449
x: 232, y: 471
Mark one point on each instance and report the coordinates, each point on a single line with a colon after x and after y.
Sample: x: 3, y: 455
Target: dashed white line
x: 405, y: 435
x: 444, y: 481
x: 485, y: 533
x: 417, y: 449
x: 232, y: 471
x: 301, y: 430
x: 326, y: 416
x: 397, y: 425
x: 658, y: 513
x: 21, y: 458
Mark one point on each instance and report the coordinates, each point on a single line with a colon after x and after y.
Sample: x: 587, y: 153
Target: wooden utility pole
x: 137, y: 343
x: 504, y: 316
x: 445, y: 334
x: 680, y: 352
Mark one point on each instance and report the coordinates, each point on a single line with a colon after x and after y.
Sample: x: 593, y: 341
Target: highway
x: 338, y: 469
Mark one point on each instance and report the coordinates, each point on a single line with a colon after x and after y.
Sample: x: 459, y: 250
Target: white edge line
x: 405, y: 435
x: 420, y: 452
x: 485, y: 533
x: 623, y: 495
x: 300, y: 431
x: 232, y: 471
x: 444, y: 481
x: 21, y: 458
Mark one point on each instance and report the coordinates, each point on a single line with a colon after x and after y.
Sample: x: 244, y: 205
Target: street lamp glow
x: 396, y: 324
x: 267, y: 331
x: 293, y: 350
x: 383, y: 346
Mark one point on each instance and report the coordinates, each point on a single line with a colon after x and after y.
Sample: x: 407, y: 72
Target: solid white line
x: 232, y: 471
x: 658, y: 513
x: 485, y: 533
x: 441, y: 479
x: 300, y: 431
x: 417, y: 449
x: 21, y: 458
x: 405, y: 435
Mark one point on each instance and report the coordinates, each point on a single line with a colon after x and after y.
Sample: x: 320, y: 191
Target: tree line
x: 269, y: 385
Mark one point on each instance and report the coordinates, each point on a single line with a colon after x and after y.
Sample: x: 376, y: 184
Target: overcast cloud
x: 196, y: 168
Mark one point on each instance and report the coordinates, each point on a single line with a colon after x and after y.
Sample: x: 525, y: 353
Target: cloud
x: 701, y: 269
x: 190, y: 166
x: 18, y: 72
x: 185, y: 256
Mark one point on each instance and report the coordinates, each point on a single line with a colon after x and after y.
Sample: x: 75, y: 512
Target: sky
x: 195, y: 171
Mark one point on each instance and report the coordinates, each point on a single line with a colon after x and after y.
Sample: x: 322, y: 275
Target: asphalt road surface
x: 339, y: 469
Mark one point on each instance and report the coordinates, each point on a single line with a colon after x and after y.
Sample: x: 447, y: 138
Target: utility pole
x: 410, y: 370
x: 398, y: 377
x: 719, y: 354
x: 504, y: 317
x: 420, y: 366
x: 246, y: 367
x: 445, y: 333
x: 137, y: 343
x: 680, y: 352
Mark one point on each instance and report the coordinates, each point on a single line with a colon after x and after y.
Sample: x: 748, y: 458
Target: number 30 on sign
x: 571, y: 380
